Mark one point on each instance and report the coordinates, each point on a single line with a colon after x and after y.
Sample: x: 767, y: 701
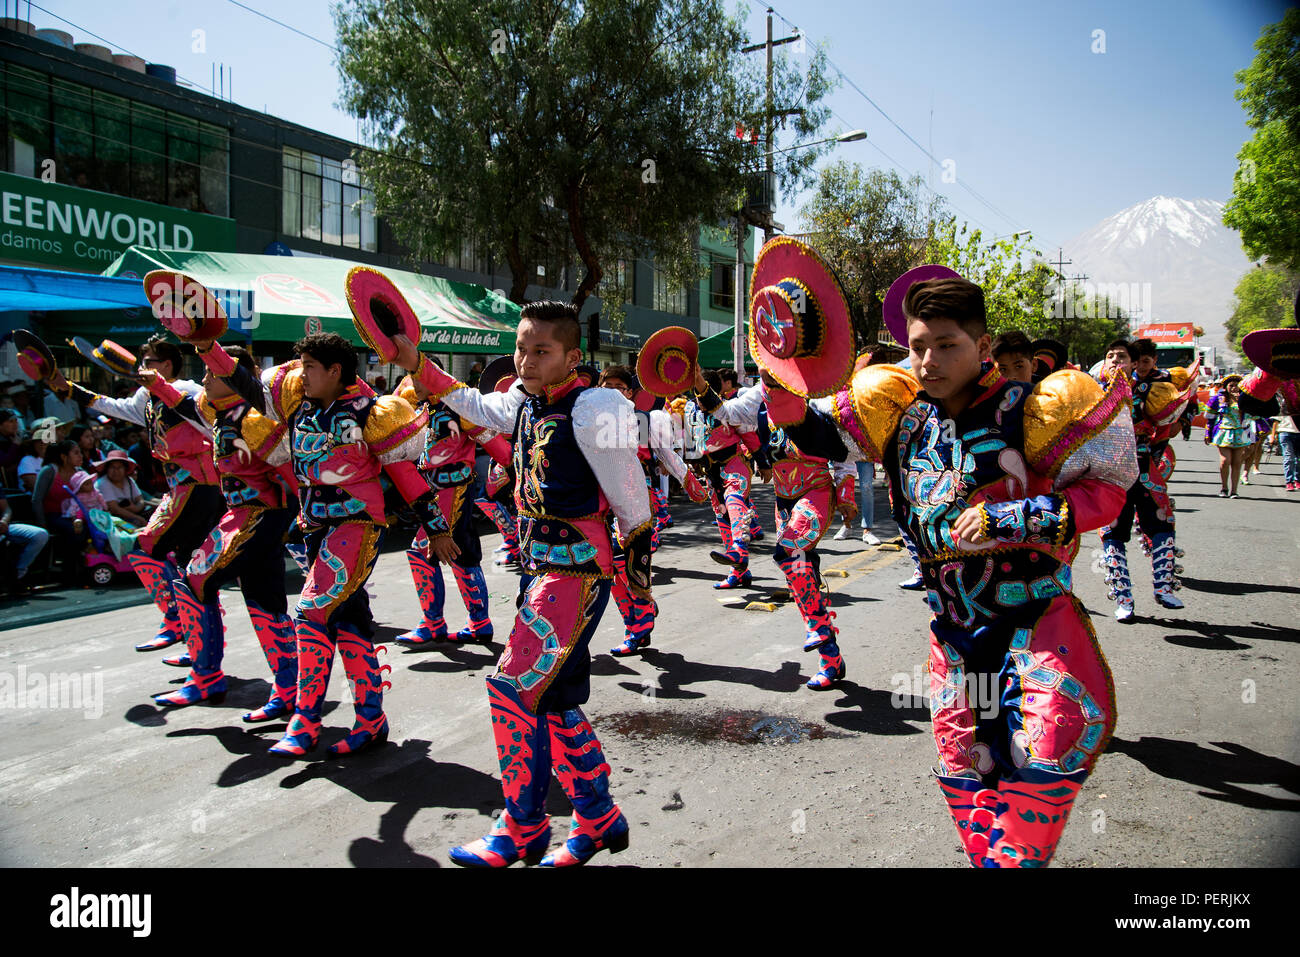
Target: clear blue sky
x: 1054, y: 136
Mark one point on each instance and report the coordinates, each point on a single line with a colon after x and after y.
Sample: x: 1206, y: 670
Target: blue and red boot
x: 280, y: 646
x: 432, y: 593
x: 315, y: 659
x: 157, y: 577
x: 206, y: 638
x: 366, y: 678
x: 474, y: 592
x: 523, y: 831
x: 580, y: 767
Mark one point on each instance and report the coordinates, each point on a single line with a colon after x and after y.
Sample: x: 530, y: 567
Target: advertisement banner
x: 46, y: 224
x: 1165, y: 332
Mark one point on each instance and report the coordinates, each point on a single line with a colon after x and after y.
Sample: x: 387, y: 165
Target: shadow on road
x: 1220, y: 636
x: 677, y: 671
x: 876, y: 712
x: 1234, y: 587
x: 1219, y: 771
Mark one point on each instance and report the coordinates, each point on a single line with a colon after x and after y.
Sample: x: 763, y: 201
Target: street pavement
x: 720, y: 756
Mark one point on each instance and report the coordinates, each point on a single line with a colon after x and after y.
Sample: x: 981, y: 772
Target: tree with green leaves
x: 594, y: 132
x: 871, y: 226
x: 1264, y: 299
x: 1265, y: 204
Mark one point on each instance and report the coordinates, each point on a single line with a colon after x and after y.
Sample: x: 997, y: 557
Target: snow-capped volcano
x: 1184, y: 261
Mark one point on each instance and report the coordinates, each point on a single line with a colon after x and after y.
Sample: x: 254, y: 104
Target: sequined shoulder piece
x: 261, y: 432
x: 1065, y: 411
x: 1165, y: 402
x: 392, y: 422
x: 284, y: 384
x: 870, y: 408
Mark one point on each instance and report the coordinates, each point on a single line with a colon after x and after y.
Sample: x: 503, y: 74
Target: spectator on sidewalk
x: 19, y: 544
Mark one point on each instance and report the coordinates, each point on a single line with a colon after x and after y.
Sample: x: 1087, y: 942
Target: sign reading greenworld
x: 48, y: 224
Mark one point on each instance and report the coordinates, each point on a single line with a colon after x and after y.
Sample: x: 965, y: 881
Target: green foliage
x: 872, y: 226
x: 592, y: 132
x: 1263, y: 299
x: 1265, y: 204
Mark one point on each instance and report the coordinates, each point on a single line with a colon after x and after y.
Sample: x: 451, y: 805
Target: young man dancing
x: 575, y: 459
x: 995, y: 481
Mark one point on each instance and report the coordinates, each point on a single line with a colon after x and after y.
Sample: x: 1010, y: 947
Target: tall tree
x: 608, y: 128
x: 1265, y: 204
x: 1264, y: 299
x: 872, y: 226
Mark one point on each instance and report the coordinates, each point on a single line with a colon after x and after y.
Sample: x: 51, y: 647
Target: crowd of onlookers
x: 58, y: 467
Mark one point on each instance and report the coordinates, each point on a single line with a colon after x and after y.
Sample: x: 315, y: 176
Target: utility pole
x: 739, y: 347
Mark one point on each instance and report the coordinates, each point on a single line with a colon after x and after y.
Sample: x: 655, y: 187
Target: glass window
x: 148, y: 154
x: 112, y: 143
x: 722, y: 284
x: 291, y: 195
x: 27, y: 115
x: 669, y: 299
x: 332, y: 205
x: 369, y: 237
x: 351, y: 216
x: 311, y: 203
x: 214, y: 170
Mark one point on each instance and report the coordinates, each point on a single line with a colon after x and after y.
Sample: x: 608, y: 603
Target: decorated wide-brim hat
x: 380, y: 311
x: 892, y: 308
x: 1276, y: 351
x: 1229, y: 379
x: 108, y: 355
x: 498, y: 371
x: 587, y: 375
x: 34, y: 356
x: 800, y: 331
x: 666, y: 364
x: 117, y: 455
x: 1049, y: 356
x: 185, y: 306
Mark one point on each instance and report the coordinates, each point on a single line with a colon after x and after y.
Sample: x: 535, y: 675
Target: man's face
x: 1016, y: 366
x: 944, y: 357
x: 162, y: 366
x: 215, y: 387
x: 320, y: 381
x: 1144, y: 365
x: 618, y: 385
x: 1117, y: 360
x: 540, y: 359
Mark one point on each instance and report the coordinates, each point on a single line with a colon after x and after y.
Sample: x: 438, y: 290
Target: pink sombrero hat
x: 892, y: 309
x: 184, y: 306
x: 498, y: 376
x: 666, y: 363
x: 800, y: 331
x: 108, y: 355
x: 34, y: 356
x: 1276, y: 351
x: 380, y: 311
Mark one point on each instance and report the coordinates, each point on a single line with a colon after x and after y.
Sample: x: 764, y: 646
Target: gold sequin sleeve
x: 394, y: 431
x: 284, y: 385
x: 869, y: 410
x: 1073, y: 429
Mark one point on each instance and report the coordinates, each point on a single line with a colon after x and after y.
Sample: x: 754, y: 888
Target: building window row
x: 81, y: 136
x: 326, y: 200
x: 668, y: 297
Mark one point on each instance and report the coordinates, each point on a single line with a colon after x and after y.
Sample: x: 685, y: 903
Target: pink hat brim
x: 1260, y: 344
x: 184, y: 306
x: 892, y: 308
x: 368, y: 288
x: 829, y: 368
x: 666, y: 364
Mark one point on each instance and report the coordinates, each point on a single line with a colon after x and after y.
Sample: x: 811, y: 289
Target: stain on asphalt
x: 708, y: 727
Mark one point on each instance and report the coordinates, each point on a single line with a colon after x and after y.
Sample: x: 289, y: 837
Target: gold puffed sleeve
x: 869, y: 410
x: 1161, y: 401
x: 262, y: 433
x: 405, y: 390
x: 1072, y: 427
x: 394, y: 431
x: 285, y: 388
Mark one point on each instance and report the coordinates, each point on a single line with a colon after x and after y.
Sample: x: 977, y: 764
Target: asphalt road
x: 720, y: 755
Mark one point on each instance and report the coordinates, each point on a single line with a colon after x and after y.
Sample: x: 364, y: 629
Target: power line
x: 266, y: 16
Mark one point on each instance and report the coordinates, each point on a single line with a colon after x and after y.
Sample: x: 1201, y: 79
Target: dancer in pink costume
x: 575, y: 459
x: 447, y: 465
x: 808, y: 492
x: 654, y: 450
x: 995, y: 481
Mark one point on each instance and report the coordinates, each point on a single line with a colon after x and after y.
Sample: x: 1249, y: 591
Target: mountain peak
x: 1177, y: 251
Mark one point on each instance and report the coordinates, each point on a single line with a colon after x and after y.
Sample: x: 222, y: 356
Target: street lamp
x: 738, y: 346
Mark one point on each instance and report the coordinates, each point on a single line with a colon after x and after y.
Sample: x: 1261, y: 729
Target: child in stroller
x: 110, y: 538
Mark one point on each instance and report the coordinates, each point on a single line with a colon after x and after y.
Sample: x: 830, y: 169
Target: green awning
x: 715, y: 351
x: 283, y: 298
